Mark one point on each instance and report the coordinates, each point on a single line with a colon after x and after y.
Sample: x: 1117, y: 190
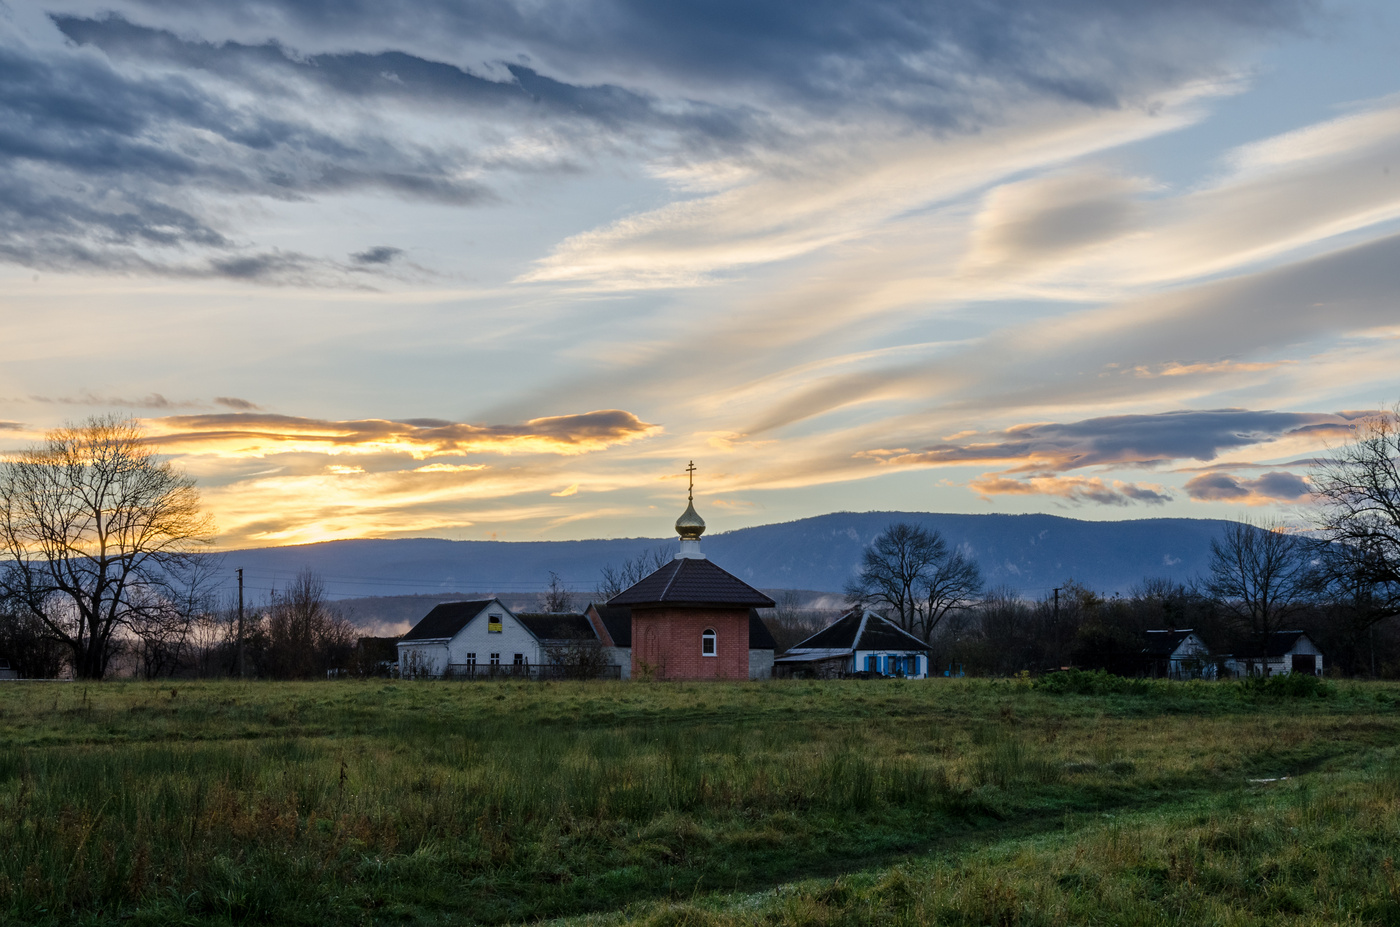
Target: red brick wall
x: 666, y: 642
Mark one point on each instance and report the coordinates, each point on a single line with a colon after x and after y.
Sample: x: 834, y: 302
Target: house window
x: 520, y: 659
x: 493, y: 624
x: 707, y: 643
x: 471, y: 660
x: 870, y: 663
x: 495, y: 659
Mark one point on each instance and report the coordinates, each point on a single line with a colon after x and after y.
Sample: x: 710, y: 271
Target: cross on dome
x: 690, y: 525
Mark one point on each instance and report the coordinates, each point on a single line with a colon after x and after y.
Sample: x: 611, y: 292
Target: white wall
x: 431, y: 658
x: 760, y: 664
x: 620, y: 656
x: 513, y: 638
x: 881, y: 655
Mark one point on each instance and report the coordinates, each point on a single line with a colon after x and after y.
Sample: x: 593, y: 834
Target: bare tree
x: 98, y: 533
x: 556, y: 597
x: 302, y: 637
x: 894, y: 568
x: 1357, y: 496
x: 913, y: 574
x: 954, y: 582
x: 1259, y: 574
x: 612, y: 580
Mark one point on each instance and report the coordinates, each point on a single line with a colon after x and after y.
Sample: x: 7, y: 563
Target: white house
x: 857, y: 642
x: 1177, y: 654
x: 1279, y: 652
x: 475, y: 638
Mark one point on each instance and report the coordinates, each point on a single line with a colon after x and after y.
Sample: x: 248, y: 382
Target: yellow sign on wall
x: 494, y: 625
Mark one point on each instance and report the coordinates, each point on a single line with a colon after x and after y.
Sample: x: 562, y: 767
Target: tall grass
x: 293, y: 803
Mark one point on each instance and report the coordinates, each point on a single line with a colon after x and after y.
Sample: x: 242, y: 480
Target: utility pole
x: 240, y: 622
x: 1057, y: 604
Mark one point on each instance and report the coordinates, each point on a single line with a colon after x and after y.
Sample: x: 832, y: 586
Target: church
x: 690, y: 618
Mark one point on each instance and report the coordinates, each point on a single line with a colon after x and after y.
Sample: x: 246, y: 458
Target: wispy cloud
x: 1076, y: 489
x: 1279, y: 486
x: 249, y: 434
x: 1126, y: 440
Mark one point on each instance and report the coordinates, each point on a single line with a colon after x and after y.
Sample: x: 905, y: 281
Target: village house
x: 485, y: 638
x: 1277, y: 653
x: 613, y: 627
x: 479, y: 637
x: 860, y: 641
x: 1177, y: 654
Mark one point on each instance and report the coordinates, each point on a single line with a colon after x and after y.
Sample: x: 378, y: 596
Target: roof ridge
x: 670, y: 582
x: 860, y: 631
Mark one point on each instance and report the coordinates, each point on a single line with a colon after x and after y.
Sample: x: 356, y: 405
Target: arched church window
x: 707, y: 643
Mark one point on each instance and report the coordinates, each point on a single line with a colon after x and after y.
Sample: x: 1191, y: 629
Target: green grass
x: 1075, y: 801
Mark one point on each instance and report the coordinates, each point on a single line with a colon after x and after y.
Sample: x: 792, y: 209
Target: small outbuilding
x: 613, y: 627
x: 861, y: 641
x: 1177, y: 653
x: 1278, y: 653
x: 691, y: 619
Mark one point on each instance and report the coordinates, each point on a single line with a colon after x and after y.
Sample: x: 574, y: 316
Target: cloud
x: 1279, y: 486
x: 571, y: 490
x: 1126, y: 440
x: 923, y: 59
x: 233, y: 402
x: 11, y: 426
x: 149, y: 401
x: 1047, y: 217
x: 1073, y: 489
x: 243, y: 435
x: 382, y: 254
x: 124, y: 145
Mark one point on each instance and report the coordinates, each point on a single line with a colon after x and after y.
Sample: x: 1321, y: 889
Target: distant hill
x: 1028, y: 553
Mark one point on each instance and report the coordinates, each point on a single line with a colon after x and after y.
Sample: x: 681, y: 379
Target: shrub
x: 1086, y: 682
x: 1286, y: 685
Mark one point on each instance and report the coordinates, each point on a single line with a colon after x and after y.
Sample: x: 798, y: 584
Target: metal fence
x: 540, y: 672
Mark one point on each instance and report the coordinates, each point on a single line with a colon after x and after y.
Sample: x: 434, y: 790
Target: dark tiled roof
x: 446, y: 620
x: 692, y: 581
x: 880, y: 634
x: 618, y: 621
x: 839, y: 635
x: 759, y: 637
x: 845, y: 634
x: 1274, y: 645
x: 1164, y: 643
x: 557, y: 626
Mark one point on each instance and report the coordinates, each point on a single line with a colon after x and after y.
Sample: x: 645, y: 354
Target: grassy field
x: 1087, y: 801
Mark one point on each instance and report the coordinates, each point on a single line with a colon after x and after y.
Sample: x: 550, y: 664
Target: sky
x: 502, y: 269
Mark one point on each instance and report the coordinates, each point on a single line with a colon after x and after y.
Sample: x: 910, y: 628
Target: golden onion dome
x: 690, y: 525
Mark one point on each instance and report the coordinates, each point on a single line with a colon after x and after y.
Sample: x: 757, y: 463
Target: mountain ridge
x: 1029, y: 554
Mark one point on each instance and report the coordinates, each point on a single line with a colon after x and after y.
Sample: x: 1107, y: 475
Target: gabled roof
x: 557, y: 626
x: 617, y: 621
x: 1163, y: 643
x: 1277, y: 644
x: 446, y: 620
x: 691, y: 581
x: 857, y: 630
